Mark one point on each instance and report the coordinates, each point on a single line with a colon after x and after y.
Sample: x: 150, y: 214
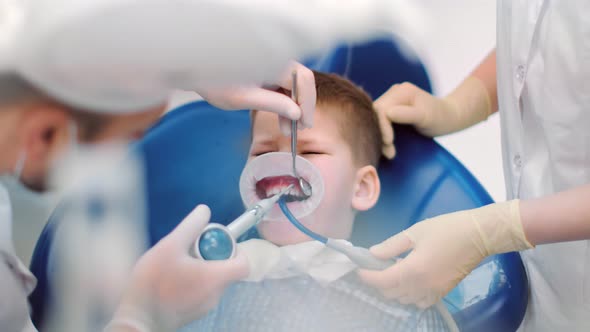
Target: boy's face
x: 326, y: 149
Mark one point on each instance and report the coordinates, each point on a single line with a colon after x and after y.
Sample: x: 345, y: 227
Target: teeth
x: 273, y: 191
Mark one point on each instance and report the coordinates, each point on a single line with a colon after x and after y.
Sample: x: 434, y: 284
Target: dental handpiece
x: 218, y: 242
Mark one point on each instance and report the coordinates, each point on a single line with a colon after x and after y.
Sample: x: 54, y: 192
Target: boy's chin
x: 281, y: 233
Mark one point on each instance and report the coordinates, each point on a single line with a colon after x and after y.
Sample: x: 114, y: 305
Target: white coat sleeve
x: 126, y: 55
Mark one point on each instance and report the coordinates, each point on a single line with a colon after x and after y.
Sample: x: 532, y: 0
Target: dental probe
x: 218, y: 242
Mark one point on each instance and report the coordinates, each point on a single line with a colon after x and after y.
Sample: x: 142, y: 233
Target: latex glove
x: 269, y: 99
x: 445, y: 250
x: 408, y: 104
x: 169, y: 287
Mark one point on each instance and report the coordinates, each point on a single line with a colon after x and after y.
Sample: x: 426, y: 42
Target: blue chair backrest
x: 196, y: 154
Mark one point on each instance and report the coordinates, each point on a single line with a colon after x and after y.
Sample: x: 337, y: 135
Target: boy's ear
x: 367, y: 188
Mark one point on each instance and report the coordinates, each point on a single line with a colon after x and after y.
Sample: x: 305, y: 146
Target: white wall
x: 460, y: 33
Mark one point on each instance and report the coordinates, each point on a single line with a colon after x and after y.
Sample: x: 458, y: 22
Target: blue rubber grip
x: 215, y: 244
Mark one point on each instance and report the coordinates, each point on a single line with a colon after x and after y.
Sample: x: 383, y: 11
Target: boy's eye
x: 259, y: 153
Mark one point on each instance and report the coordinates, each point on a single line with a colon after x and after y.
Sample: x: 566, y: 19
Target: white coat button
x: 517, y: 161
x: 520, y: 73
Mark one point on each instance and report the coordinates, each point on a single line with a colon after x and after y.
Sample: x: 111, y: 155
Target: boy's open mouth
x: 272, y: 185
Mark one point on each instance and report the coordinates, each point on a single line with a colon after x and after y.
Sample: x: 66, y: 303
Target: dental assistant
x: 539, y: 78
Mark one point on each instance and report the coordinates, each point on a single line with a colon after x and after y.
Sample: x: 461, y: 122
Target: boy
x: 345, y: 146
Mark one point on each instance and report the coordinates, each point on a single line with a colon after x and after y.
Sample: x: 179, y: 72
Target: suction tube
x: 299, y: 225
x: 440, y: 307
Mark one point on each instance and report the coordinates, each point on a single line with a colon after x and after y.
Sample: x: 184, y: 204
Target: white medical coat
x: 16, y: 281
x: 543, y: 66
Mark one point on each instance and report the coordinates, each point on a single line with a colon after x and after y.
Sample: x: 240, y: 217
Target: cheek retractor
x: 269, y: 173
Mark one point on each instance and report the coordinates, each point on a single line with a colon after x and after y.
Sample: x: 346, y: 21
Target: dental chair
x: 196, y: 153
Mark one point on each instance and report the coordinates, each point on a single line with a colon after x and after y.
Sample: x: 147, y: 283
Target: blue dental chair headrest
x: 196, y: 153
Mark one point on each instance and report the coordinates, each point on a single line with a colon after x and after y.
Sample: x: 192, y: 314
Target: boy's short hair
x: 353, y: 109
x: 15, y: 89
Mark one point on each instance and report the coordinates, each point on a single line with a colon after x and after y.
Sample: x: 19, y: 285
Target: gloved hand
x: 445, y: 250
x: 268, y: 99
x: 170, y: 288
x: 408, y: 104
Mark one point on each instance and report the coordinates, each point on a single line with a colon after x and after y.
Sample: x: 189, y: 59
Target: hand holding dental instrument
x: 361, y: 257
x: 303, y: 184
x: 218, y: 242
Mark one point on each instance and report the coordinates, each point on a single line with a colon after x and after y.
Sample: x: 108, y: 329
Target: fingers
x: 407, y: 299
x: 393, y: 283
x: 381, y: 105
x: 306, y: 91
x: 397, y: 106
x: 394, y: 293
x: 226, y: 271
x: 399, y: 94
x: 272, y: 101
x: 390, y: 279
x: 386, y: 135
x: 388, y: 151
x: 258, y: 98
x: 285, y: 126
x: 253, y: 97
x: 190, y: 228
x: 426, y: 302
x: 404, y: 115
x: 268, y: 100
x: 392, y: 247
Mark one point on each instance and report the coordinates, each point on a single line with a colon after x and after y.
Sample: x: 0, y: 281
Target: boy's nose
x: 285, y: 144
